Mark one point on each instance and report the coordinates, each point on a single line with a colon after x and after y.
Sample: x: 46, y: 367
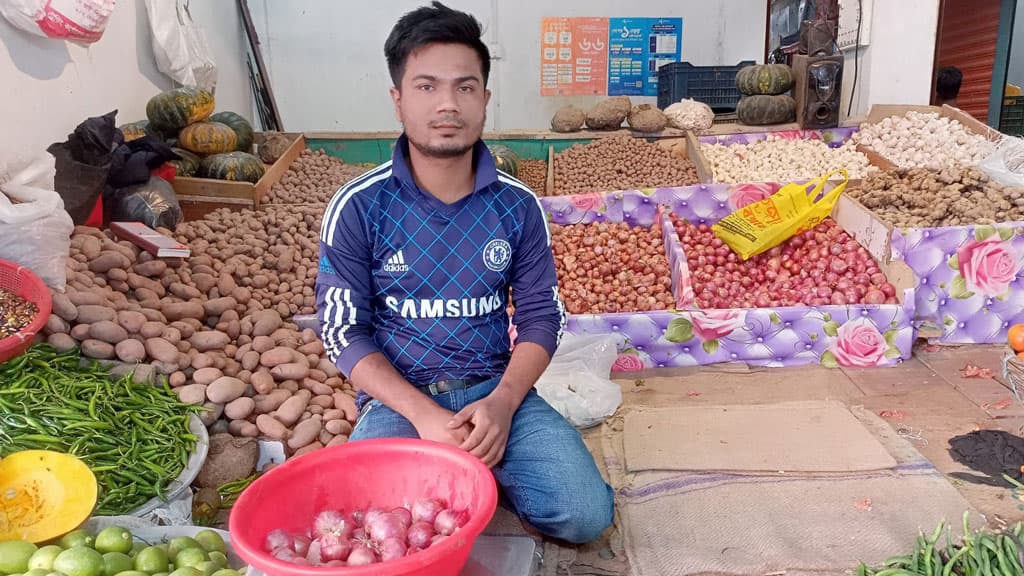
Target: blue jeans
x: 547, y: 473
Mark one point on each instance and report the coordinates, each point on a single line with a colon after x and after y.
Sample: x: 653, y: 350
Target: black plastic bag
x: 132, y: 162
x: 83, y: 164
x: 153, y: 203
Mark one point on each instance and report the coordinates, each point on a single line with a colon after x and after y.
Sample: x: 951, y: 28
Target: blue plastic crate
x: 712, y: 85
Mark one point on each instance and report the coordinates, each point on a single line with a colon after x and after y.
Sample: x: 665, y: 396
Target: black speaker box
x: 818, y: 90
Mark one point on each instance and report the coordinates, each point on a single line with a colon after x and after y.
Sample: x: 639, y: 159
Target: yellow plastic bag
x: 761, y: 226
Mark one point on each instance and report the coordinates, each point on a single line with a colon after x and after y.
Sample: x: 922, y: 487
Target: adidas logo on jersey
x: 396, y: 263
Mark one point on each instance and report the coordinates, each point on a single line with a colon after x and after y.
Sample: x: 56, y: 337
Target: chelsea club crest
x: 497, y: 254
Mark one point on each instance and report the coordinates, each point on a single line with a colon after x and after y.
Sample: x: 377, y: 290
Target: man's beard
x: 444, y: 150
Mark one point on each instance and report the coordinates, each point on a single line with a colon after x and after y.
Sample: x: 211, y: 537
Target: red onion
x: 278, y: 539
x: 313, y: 555
x: 334, y: 547
x: 877, y: 279
x: 385, y: 526
x: 361, y: 555
x: 426, y: 509
x: 436, y: 539
x: 359, y: 517
x: 874, y: 296
x: 392, y: 549
x: 332, y: 522
x: 449, y: 520
x: 888, y: 289
x: 403, y: 515
x: 419, y: 534
x: 333, y: 563
x: 838, y: 265
x: 412, y: 550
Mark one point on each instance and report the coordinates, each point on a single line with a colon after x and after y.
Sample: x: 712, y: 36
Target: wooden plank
x: 861, y: 223
x: 277, y: 171
x: 197, y: 207
x: 549, y: 189
x: 208, y: 187
x: 705, y: 173
x: 875, y: 159
x: 972, y: 123
x: 880, y: 111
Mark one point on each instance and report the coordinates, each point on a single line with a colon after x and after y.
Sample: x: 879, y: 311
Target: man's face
x: 442, y: 101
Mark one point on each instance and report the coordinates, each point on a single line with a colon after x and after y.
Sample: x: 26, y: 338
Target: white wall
x: 48, y: 87
x: 326, y: 58
x: 897, y: 66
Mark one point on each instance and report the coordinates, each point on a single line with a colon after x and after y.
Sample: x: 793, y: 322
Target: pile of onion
x: 819, y: 267
x: 367, y: 536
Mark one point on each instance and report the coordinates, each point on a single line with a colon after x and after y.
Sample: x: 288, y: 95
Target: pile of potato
x: 313, y: 177
x: 924, y: 140
x: 216, y: 324
x: 783, y: 160
x: 956, y: 196
x: 620, y: 163
x: 534, y: 173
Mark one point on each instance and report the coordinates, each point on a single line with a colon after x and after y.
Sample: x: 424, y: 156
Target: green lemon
x: 186, y: 571
x: 76, y: 538
x: 152, y: 559
x: 131, y: 573
x: 176, y: 545
x: 226, y: 572
x: 218, y: 558
x: 137, y: 547
x: 116, y: 562
x: 160, y: 574
x: 207, y: 567
x: 79, y: 561
x: 114, y: 539
x: 43, y: 558
x: 211, y: 541
x: 15, y: 555
x: 36, y: 572
x: 189, y: 557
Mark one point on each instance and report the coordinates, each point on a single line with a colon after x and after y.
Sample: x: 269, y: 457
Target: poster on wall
x: 574, y: 56
x: 637, y: 47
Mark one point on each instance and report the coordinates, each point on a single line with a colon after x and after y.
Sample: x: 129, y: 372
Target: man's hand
x: 491, y: 421
x: 434, y: 425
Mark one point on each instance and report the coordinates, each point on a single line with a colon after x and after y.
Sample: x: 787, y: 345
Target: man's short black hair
x: 435, y: 24
x: 947, y: 84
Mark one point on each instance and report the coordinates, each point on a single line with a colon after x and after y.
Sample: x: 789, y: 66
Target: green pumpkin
x: 241, y: 127
x: 505, y: 160
x: 764, y: 79
x: 188, y: 165
x: 762, y: 110
x: 135, y: 130
x: 236, y: 166
x: 208, y: 138
x: 172, y: 110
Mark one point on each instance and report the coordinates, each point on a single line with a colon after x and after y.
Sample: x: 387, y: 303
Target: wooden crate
x: 200, y: 196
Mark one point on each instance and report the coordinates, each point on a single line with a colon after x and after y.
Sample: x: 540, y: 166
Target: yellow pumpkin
x: 207, y: 138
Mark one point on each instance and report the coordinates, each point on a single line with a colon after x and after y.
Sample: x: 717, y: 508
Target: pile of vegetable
x: 114, y: 551
x: 216, y: 324
x: 977, y: 554
x: 534, y: 173
x: 15, y: 313
x: 954, y: 196
x: 134, y: 437
x: 818, y: 267
x: 313, y: 177
x: 611, y: 267
x: 924, y: 139
x: 209, y: 145
x: 368, y: 536
x: 619, y: 163
x: 765, y: 100
x: 783, y: 160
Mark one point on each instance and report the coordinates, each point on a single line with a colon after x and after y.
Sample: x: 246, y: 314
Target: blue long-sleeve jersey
x: 427, y: 283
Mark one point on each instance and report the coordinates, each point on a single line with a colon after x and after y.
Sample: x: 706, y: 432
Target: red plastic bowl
x: 23, y: 282
x: 387, y: 473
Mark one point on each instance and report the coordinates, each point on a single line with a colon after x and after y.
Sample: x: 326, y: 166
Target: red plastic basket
x: 23, y: 282
x: 357, y: 475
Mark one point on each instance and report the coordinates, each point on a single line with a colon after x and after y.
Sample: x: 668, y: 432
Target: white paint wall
x: 48, y: 87
x: 326, y: 58
x: 897, y: 67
